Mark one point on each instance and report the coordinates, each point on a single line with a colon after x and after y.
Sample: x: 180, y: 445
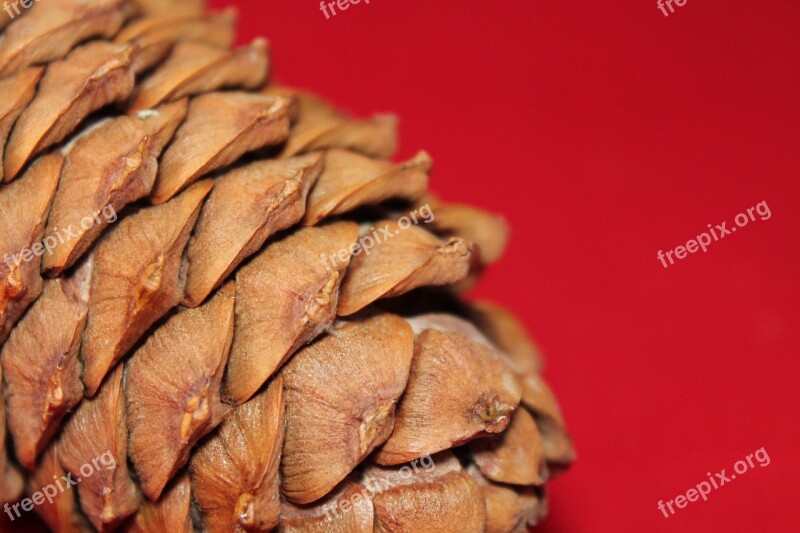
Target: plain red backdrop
x: 605, y: 131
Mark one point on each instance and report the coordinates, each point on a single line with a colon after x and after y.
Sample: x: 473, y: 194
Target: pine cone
x: 223, y: 308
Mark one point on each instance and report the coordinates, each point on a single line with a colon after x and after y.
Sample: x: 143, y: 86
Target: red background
x: 605, y: 131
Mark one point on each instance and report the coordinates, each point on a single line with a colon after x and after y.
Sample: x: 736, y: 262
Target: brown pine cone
x: 223, y: 308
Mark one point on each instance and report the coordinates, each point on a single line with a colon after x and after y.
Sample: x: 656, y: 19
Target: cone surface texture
x: 225, y: 306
